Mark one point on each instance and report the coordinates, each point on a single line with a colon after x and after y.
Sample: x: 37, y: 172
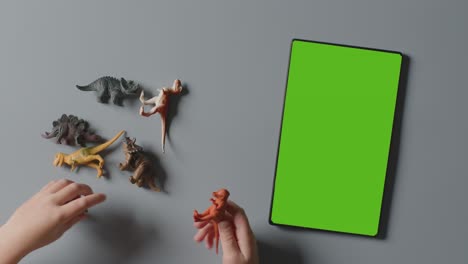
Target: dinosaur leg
x: 91, y: 158
x: 147, y: 102
x: 115, y: 98
x: 49, y: 135
x: 123, y: 166
x: 152, y: 185
x: 96, y: 166
x: 98, y: 158
x: 139, y: 183
x: 73, y: 165
x: 204, y: 218
x: 136, y: 178
x: 153, y: 110
x: 102, y: 96
x: 197, y: 216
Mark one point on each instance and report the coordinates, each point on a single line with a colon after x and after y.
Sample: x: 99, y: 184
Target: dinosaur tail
x: 86, y: 88
x: 163, y: 131
x: 99, y: 148
x: 216, y: 231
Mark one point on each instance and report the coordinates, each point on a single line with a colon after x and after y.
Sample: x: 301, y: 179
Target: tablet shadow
x: 270, y: 253
x: 394, y: 149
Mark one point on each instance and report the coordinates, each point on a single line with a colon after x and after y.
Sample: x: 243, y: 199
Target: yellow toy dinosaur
x: 86, y: 156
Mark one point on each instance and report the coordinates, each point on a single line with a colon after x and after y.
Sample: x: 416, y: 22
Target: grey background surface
x: 233, y: 58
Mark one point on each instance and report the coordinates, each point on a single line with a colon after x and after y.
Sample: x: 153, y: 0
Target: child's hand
x: 237, y: 238
x: 45, y: 217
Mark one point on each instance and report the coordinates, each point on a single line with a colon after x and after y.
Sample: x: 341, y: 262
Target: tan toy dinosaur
x: 161, y: 104
x: 138, y: 161
x: 86, y: 156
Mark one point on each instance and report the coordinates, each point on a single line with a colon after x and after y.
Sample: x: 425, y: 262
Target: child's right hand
x: 45, y: 217
x: 237, y: 238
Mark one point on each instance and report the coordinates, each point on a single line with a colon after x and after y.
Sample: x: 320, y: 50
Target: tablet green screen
x: 335, y: 137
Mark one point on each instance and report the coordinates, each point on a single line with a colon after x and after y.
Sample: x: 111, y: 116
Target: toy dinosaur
x: 137, y: 160
x: 86, y: 156
x: 106, y: 87
x: 161, y: 104
x: 71, y: 130
x: 215, y: 213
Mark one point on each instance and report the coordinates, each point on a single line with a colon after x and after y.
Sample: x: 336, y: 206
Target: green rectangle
x: 335, y: 137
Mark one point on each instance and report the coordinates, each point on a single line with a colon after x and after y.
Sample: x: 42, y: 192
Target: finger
x: 228, y: 238
x: 232, y: 207
x: 209, y: 239
x: 75, y: 220
x: 72, y: 191
x: 76, y: 207
x: 58, y: 185
x: 244, y: 233
x: 48, y: 185
x: 201, y: 234
x: 200, y: 225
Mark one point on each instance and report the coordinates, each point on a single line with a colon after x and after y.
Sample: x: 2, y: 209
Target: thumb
x: 228, y: 238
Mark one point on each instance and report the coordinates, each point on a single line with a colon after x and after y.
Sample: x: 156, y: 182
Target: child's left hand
x: 45, y: 217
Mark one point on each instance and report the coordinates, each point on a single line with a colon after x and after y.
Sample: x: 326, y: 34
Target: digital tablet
x: 335, y: 137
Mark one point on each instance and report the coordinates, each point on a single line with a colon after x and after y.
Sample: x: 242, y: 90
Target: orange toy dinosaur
x: 215, y: 213
x: 161, y: 104
x: 86, y: 156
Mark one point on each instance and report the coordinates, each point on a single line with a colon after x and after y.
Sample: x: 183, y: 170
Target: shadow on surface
x: 160, y: 175
x: 174, y: 102
x: 270, y: 253
x: 121, y: 234
x: 394, y: 149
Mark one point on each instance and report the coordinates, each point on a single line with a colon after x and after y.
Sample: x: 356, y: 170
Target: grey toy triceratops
x: 110, y: 87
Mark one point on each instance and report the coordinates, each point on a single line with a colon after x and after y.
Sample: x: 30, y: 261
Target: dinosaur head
x: 129, y: 145
x: 221, y: 194
x: 177, y: 86
x: 129, y: 87
x: 58, y: 161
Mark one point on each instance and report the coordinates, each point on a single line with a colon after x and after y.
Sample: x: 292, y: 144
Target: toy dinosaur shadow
x: 173, y: 107
x: 159, y: 171
x: 120, y: 233
x: 276, y: 254
x: 131, y: 101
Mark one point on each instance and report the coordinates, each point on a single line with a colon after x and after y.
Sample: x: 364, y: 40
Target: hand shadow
x: 286, y: 252
x: 120, y: 233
